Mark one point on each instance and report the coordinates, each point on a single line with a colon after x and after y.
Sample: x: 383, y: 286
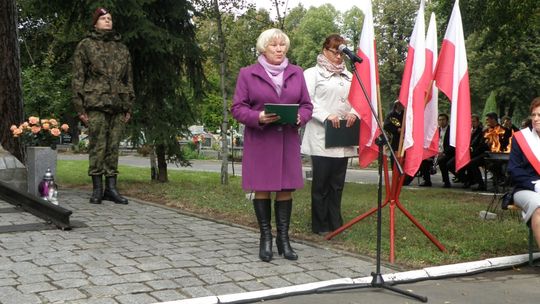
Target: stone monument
x: 12, y: 171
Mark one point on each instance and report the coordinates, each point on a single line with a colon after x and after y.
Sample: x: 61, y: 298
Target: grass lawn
x: 451, y: 215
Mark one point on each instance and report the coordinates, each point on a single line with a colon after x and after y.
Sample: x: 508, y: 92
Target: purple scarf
x: 275, y: 72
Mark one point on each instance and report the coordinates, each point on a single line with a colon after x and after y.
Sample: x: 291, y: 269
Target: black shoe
x: 447, y: 185
x: 466, y: 185
x: 97, y: 189
x: 407, y: 181
x: 425, y: 184
x: 111, y: 193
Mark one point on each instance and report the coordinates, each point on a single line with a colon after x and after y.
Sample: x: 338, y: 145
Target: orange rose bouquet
x: 38, y: 132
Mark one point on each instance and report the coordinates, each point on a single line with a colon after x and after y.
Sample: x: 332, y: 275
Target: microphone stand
x: 381, y: 141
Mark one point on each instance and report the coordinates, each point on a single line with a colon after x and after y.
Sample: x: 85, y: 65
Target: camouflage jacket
x: 102, y: 74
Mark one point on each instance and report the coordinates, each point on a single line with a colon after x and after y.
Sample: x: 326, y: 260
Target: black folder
x: 288, y: 113
x: 342, y: 136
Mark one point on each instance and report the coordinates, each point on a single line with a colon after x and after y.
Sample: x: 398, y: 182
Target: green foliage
x: 81, y: 147
x: 211, y: 112
x: 45, y: 91
x: 50, y: 30
x: 192, y: 151
x: 396, y: 19
x: 353, y: 19
x: 241, y: 47
x: 46, y: 49
x: 503, y: 48
x: 166, y: 60
x: 317, y: 23
x: 240, y: 52
x: 490, y: 105
x: 293, y: 19
x: 167, y: 70
x: 291, y: 25
x: 502, y: 40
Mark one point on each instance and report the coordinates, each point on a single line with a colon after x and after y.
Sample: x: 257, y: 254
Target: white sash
x: 533, y: 140
x: 529, y: 142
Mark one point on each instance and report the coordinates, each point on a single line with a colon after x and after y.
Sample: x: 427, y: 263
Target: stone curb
x: 429, y: 273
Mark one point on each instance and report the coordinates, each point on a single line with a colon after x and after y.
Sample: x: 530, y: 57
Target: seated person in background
x: 506, y: 121
x: 524, y: 170
x: 446, y: 152
x: 497, y: 136
x: 478, y: 147
x: 496, y: 139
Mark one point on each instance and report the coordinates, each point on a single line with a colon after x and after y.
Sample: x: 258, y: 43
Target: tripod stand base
x: 377, y: 282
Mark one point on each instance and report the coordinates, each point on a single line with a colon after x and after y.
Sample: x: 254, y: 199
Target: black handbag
x: 507, y: 199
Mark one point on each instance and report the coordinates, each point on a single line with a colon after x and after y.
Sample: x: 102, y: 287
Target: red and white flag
x: 412, y: 95
x: 431, y: 135
x: 369, y: 74
x: 452, y: 77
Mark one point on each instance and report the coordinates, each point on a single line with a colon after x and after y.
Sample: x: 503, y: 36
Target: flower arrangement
x: 39, y: 132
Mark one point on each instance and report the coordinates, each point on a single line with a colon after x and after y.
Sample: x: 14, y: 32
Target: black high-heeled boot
x: 111, y: 194
x: 263, y: 211
x: 283, y: 211
x: 97, y: 189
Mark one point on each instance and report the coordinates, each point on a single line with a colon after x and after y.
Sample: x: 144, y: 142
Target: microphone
x: 352, y: 56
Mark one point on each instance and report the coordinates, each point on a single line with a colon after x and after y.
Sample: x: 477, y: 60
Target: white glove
x: 536, y: 186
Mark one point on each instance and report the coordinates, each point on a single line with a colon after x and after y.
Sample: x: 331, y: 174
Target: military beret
x: 100, y: 11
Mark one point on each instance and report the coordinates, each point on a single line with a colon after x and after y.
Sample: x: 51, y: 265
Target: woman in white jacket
x: 328, y: 84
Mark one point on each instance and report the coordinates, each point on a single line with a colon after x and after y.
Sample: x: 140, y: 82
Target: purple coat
x: 271, y: 159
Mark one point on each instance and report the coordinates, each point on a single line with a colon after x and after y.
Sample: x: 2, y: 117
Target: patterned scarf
x: 329, y: 66
x: 274, y: 71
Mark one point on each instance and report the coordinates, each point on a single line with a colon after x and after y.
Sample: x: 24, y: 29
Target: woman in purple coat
x: 271, y: 160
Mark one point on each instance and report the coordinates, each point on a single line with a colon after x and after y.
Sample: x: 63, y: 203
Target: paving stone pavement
x: 143, y: 253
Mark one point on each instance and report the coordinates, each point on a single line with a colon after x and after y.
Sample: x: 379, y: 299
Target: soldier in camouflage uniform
x: 103, y: 96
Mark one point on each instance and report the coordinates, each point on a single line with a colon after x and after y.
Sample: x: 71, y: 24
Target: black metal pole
x: 380, y: 144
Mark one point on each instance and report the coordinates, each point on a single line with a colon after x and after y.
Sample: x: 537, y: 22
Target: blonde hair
x: 269, y: 35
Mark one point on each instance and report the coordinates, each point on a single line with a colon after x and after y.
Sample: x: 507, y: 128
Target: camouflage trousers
x: 105, y: 131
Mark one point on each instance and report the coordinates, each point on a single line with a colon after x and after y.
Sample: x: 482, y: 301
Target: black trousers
x: 425, y: 170
x: 463, y: 175
x: 473, y: 168
x: 326, y: 190
x: 442, y: 161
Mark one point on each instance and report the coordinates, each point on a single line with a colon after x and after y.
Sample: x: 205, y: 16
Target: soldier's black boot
x: 263, y: 211
x: 111, y: 194
x: 283, y: 211
x: 97, y: 189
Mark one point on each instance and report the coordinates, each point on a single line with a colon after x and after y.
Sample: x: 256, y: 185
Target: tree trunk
x: 162, y: 163
x: 11, y: 106
x: 222, y: 73
x: 153, y: 165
